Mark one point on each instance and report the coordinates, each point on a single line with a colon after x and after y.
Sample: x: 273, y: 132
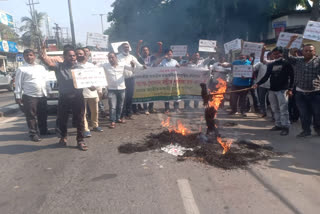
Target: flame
x: 217, y: 99
x: 178, y: 128
x: 226, y: 146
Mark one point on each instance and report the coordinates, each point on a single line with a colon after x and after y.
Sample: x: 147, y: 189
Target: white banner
x: 312, y: 31
x: 179, y: 50
x: 250, y: 47
x: 285, y: 37
x: 99, y: 57
x: 232, y: 46
x: 207, y: 46
x: 97, y: 40
x: 242, y: 71
x: 87, y: 77
x: 116, y: 45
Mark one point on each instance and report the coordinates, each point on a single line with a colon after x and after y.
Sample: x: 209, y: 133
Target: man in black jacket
x: 280, y: 73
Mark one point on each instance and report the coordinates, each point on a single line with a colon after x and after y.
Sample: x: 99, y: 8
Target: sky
x: 57, y: 11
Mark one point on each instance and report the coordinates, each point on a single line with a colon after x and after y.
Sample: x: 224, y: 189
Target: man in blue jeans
x: 307, y: 82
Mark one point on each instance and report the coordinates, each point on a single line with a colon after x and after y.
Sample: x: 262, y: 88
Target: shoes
x: 243, y: 114
x: 263, y: 115
x: 121, y: 121
x: 130, y: 117
x: 152, y: 111
x: 147, y: 113
x: 87, y: 134
x: 276, y: 128
x: 35, y: 138
x: 177, y: 110
x: 284, y: 132
x: 167, y: 111
x: 97, y: 129
x: 304, y: 134
x: 232, y: 112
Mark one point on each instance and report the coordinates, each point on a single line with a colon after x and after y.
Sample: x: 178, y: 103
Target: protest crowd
x: 286, y: 79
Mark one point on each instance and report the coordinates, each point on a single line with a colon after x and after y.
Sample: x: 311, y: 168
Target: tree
x: 32, y: 33
x: 8, y: 33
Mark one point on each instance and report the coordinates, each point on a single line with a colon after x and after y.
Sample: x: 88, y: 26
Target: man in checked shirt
x: 306, y: 78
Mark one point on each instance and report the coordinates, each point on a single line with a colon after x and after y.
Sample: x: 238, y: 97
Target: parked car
x: 6, y: 81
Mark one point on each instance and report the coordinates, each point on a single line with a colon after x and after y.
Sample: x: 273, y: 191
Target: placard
x: 87, y: 77
x: 208, y: 46
x: 116, y: 45
x: 285, y: 37
x: 97, y: 40
x: 99, y: 58
x: 179, y: 50
x: 242, y: 71
x: 232, y: 46
x: 312, y: 31
x: 251, y: 47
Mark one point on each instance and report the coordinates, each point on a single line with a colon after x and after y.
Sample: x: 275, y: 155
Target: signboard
x: 242, y: 71
x: 99, y: 57
x: 87, y: 77
x: 116, y: 45
x: 19, y: 57
x: 7, y: 46
x: 179, y: 50
x: 97, y: 40
x: 232, y: 46
x: 6, y: 19
x: 165, y: 84
x: 250, y: 47
x: 284, y: 39
x: 312, y: 31
x: 207, y: 46
x: 282, y: 24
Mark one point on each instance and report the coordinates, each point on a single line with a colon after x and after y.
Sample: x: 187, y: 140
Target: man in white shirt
x: 30, y: 92
x: 91, y: 96
x: 125, y: 58
x: 115, y: 74
x: 168, y: 61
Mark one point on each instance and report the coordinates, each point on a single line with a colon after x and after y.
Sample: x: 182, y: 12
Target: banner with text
x: 209, y: 46
x: 179, y: 50
x: 87, y: 77
x: 251, y: 47
x: 312, y: 31
x: 97, y: 40
x: 232, y: 46
x: 168, y: 84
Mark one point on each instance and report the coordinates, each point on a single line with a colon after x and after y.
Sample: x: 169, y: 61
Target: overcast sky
x: 57, y: 10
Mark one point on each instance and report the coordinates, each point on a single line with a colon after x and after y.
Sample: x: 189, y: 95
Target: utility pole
x: 101, y: 16
x: 57, y: 29
x: 72, y: 25
x: 34, y: 17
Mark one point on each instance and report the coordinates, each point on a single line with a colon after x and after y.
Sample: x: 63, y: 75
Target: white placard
x: 99, y: 57
x: 242, y: 71
x: 97, y: 40
x: 232, y: 46
x: 179, y: 50
x: 251, y: 47
x: 285, y: 37
x: 87, y: 77
x: 116, y: 45
x: 312, y: 31
x: 207, y: 46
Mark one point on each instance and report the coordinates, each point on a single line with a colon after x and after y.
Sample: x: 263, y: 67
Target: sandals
x: 63, y: 142
x: 82, y: 146
x: 121, y: 121
x: 112, y: 125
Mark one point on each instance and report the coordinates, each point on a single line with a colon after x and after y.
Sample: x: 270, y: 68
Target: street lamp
x: 101, y: 16
x: 72, y: 25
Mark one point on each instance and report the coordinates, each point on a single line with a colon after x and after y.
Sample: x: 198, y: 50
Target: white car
x: 6, y: 81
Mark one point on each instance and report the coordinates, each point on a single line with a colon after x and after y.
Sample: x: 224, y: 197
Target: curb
x: 8, y: 111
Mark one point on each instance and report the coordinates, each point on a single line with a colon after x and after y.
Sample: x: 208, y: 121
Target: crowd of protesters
x: 288, y: 80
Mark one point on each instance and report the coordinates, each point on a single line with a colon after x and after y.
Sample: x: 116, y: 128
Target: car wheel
x: 11, y: 87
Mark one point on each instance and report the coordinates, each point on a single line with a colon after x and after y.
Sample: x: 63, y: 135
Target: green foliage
x: 179, y: 22
x: 8, y: 33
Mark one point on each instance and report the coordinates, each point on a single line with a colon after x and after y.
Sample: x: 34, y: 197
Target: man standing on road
x: 280, y: 73
x: 31, y: 92
x: 125, y: 59
x: 69, y: 97
x: 307, y: 79
x: 91, y: 96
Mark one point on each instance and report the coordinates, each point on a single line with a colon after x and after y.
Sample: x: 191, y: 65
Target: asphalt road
x: 44, y: 178
x: 6, y: 98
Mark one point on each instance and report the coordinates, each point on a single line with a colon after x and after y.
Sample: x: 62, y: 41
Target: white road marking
x: 189, y: 203
x: 3, y: 122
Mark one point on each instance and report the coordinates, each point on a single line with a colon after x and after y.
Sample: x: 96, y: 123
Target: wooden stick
x: 230, y: 92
